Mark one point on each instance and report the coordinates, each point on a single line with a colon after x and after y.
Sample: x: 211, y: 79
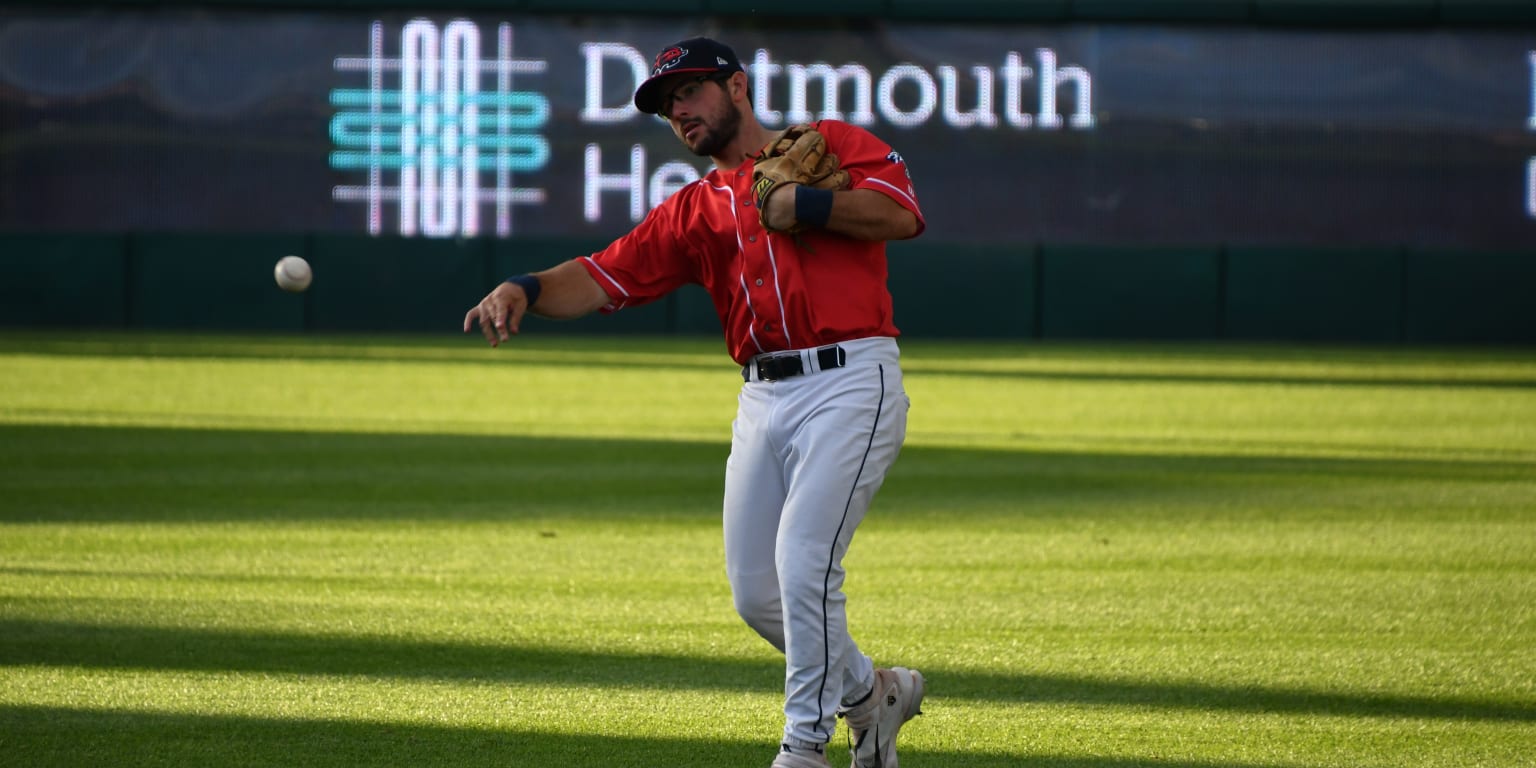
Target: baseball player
x: 787, y: 234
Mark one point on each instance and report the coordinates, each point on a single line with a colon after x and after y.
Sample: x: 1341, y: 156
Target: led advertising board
x: 522, y: 126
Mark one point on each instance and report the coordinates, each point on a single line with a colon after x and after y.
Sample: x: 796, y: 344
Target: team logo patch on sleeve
x: 895, y: 157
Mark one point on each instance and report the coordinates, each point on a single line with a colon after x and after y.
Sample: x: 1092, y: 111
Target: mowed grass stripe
x: 1158, y: 400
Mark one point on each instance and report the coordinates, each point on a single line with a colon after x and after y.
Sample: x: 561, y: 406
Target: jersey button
x: 751, y: 238
x: 759, y: 281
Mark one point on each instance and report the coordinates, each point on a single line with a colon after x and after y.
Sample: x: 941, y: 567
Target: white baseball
x: 293, y: 274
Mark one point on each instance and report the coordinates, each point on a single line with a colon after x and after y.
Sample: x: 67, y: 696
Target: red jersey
x: 772, y: 293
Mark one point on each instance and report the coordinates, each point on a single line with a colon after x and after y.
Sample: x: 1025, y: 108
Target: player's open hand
x: 499, y: 314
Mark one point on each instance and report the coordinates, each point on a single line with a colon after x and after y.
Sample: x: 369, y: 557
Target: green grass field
x: 232, y: 551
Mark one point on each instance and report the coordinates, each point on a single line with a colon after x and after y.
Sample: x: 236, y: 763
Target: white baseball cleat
x: 799, y: 758
x: 874, y: 722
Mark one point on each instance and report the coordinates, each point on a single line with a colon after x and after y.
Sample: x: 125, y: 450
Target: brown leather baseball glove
x: 797, y: 155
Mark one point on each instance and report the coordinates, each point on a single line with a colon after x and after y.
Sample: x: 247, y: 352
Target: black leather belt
x: 776, y: 366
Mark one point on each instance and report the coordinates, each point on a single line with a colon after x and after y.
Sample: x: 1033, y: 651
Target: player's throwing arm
x: 562, y: 293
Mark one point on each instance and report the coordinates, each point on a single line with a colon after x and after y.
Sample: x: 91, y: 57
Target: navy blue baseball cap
x: 699, y: 55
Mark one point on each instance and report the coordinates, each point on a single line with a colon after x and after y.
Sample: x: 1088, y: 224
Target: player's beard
x: 718, y: 136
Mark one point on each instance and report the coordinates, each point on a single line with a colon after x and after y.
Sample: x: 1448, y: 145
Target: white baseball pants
x: 808, y: 454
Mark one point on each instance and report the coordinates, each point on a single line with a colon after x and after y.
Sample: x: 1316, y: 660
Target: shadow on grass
x: 76, y: 645
x: 55, y: 474
x: 129, y: 476
x: 53, y: 736
x: 705, y: 353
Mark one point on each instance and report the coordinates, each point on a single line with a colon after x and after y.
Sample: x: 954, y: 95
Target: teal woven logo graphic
x: 437, y: 132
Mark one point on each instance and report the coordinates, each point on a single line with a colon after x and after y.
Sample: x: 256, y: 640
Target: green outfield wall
x: 1433, y: 286
x: 1028, y: 291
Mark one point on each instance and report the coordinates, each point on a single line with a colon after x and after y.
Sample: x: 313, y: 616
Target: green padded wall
x: 1092, y: 292
x: 211, y: 282
x: 942, y: 290
x: 63, y: 281
x: 946, y: 290
x: 1328, y: 294
x: 1469, y: 296
x: 393, y: 284
x: 1025, y: 290
x: 693, y: 312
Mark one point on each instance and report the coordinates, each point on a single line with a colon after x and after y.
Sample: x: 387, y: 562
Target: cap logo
x: 668, y: 59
